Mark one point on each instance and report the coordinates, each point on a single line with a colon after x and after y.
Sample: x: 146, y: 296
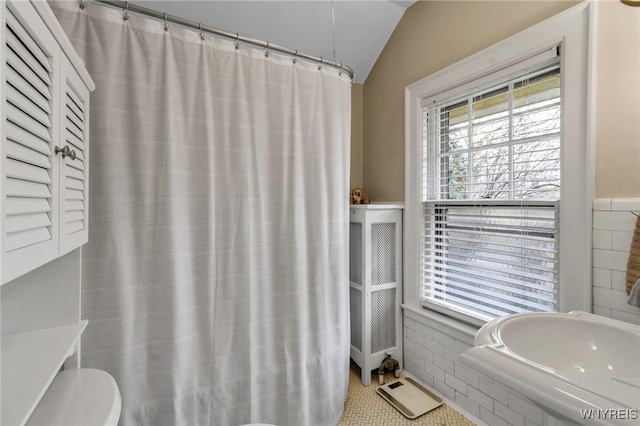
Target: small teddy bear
x: 358, y: 196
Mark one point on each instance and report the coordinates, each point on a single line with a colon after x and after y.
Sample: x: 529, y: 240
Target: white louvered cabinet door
x: 29, y: 135
x: 74, y: 130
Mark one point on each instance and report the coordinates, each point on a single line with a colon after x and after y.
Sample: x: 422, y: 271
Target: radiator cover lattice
x: 383, y: 319
x: 383, y: 253
x: 355, y: 300
x: 355, y: 250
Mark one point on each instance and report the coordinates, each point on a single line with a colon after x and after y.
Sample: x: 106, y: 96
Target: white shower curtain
x: 215, y: 278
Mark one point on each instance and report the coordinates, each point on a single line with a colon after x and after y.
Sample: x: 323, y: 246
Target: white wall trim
x: 571, y: 30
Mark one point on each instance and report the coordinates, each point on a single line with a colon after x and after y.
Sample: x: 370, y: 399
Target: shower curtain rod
x: 130, y: 7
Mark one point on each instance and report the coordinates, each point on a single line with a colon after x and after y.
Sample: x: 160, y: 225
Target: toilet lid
x: 82, y: 396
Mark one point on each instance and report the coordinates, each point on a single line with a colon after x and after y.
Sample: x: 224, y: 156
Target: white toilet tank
x: 79, y: 397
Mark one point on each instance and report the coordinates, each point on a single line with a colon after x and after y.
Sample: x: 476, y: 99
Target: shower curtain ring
x: 82, y: 4
x: 125, y: 15
x: 201, y: 32
x: 166, y: 22
x: 320, y: 63
x: 266, y: 51
x: 237, y: 42
x: 295, y: 56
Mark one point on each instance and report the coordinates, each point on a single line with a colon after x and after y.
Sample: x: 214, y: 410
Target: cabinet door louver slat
x: 27, y: 139
x: 74, y: 140
x: 24, y: 189
x: 76, y: 184
x: 73, y: 106
x: 74, y: 205
x: 28, y: 149
x: 77, y: 129
x: 74, y: 173
x: 77, y: 102
x: 27, y: 238
x: 73, y: 194
x: 27, y: 155
x: 30, y: 44
x: 18, y: 117
x: 73, y: 227
x: 19, y: 49
x: 16, y: 63
x: 74, y: 216
x: 74, y: 135
x: 73, y: 118
x: 23, y: 85
x: 28, y: 106
x: 78, y: 163
x: 28, y: 206
x: 27, y: 222
x: 24, y: 171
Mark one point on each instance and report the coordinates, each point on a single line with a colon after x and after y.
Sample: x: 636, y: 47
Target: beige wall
x: 356, y: 136
x: 435, y: 34
x: 618, y: 101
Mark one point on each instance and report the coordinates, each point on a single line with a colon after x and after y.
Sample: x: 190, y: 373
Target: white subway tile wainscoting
x: 432, y: 354
x: 613, y: 222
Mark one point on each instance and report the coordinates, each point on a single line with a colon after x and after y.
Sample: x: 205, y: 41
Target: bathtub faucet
x: 634, y: 296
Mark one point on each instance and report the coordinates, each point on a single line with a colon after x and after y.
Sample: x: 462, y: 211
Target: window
x: 499, y: 178
x: 491, y: 188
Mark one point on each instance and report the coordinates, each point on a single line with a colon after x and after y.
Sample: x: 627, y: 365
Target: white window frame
x: 573, y: 31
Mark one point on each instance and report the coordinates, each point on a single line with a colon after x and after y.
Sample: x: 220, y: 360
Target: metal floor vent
x: 409, y: 397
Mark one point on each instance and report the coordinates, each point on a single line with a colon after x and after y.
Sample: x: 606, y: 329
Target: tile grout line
x: 365, y: 407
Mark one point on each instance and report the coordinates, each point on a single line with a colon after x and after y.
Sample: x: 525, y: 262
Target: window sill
x: 451, y: 326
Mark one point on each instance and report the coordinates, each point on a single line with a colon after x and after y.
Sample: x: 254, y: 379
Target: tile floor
x: 364, y: 407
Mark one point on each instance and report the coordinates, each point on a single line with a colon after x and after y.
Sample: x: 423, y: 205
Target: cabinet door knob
x: 66, y: 152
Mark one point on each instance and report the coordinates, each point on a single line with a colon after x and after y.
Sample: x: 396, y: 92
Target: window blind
x: 492, y: 258
x: 491, y: 190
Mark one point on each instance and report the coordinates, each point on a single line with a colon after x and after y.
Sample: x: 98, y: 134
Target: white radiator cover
x: 375, y: 275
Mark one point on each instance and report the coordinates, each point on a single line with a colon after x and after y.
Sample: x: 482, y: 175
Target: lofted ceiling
x: 362, y: 27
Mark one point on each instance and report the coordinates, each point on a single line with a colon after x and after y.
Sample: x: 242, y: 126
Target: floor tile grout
x: 364, y: 407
